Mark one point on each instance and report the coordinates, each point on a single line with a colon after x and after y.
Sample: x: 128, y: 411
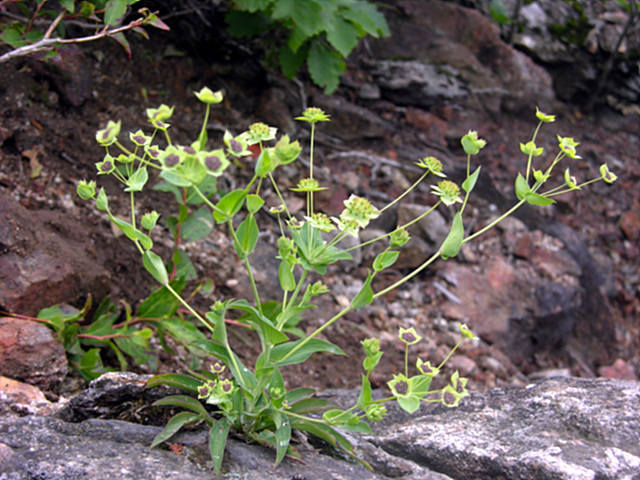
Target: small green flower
x: 139, y: 138
x: 308, y: 185
x: 286, y: 151
x: 399, y: 238
x: 318, y: 288
x: 568, y: 146
x: 400, y: 386
x: 471, y: 143
x: 450, y: 397
x: 432, y: 164
x: 152, y: 151
x: 277, y: 210
x: 530, y: 148
x: 313, y: 115
x: 607, y: 176
x: 359, y: 210
x: 543, y: 117
x: 109, y: 134
x: 259, y: 132
x: 371, y: 346
x: 426, y: 368
x: 160, y: 114
x: 217, y: 368
x: 448, y: 191
x: 122, y: 158
x: 86, y: 190
x: 206, y: 389
x: 320, y: 221
x: 350, y: 227
x: 206, y: 95
x: 277, y: 393
x: 570, y: 180
x: 540, y: 176
x: 172, y: 156
x: 466, y: 332
x: 236, y: 146
x: 106, y: 166
x: 459, y: 385
x: 215, y: 162
x: 376, y: 413
x: 149, y: 220
x: 409, y: 336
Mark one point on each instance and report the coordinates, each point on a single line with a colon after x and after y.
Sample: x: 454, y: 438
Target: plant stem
x: 339, y: 315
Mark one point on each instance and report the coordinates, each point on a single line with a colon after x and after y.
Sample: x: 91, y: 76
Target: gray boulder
x: 560, y: 428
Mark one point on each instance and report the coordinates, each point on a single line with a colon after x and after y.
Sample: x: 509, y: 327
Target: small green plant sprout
x: 252, y: 399
x: 26, y: 36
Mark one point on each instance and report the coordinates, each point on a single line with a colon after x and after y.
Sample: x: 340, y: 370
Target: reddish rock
x: 42, y: 263
x: 620, y: 370
x: 630, y: 224
x: 29, y: 352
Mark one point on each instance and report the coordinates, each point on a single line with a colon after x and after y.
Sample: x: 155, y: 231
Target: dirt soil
x: 48, y: 122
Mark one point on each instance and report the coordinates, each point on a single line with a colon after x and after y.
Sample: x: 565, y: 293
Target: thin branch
x: 46, y: 43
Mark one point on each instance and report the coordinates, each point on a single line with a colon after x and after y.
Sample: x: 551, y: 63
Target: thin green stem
x: 330, y: 322
x: 406, y: 192
x: 277, y: 190
x: 286, y: 306
x: 495, y: 222
x: 247, y: 266
x: 188, y: 307
x: 450, y: 353
x: 415, y: 272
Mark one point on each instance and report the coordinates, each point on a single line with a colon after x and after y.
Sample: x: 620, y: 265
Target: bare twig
x: 46, y: 43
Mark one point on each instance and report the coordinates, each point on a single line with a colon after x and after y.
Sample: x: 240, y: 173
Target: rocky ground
x: 555, y: 290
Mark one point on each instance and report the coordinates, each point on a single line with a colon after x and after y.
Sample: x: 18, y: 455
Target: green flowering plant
x: 253, y: 400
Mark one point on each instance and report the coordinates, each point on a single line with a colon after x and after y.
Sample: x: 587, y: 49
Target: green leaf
x: 246, y: 24
x: 183, y: 331
x: 91, y: 366
x: 184, y: 401
x: 197, y: 226
x: 305, y: 15
x: 247, y: 235
x: 522, y: 187
x: 264, y: 326
x: 325, y: 66
x: 254, y: 203
x: 114, y: 11
x: 453, y: 242
x: 385, y: 260
x: 102, y: 202
x: 365, y: 295
x: 285, y: 275
x: 409, y: 404
x: 229, y: 205
x: 144, y: 240
x: 174, y: 425
x: 470, y: 181
x: 154, y: 265
x: 218, y: 442
x: 138, y: 180
x: 265, y: 164
x: 303, y: 353
x: 342, y: 35
x: 161, y: 303
x: 536, y: 199
x: 367, y: 18
x: 176, y: 380
x: 291, y: 62
x: 283, y: 435
x: 365, y: 398
x: 129, y: 230
x: 252, y: 5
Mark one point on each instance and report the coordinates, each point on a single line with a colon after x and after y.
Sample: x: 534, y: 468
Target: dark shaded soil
x: 47, y: 130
